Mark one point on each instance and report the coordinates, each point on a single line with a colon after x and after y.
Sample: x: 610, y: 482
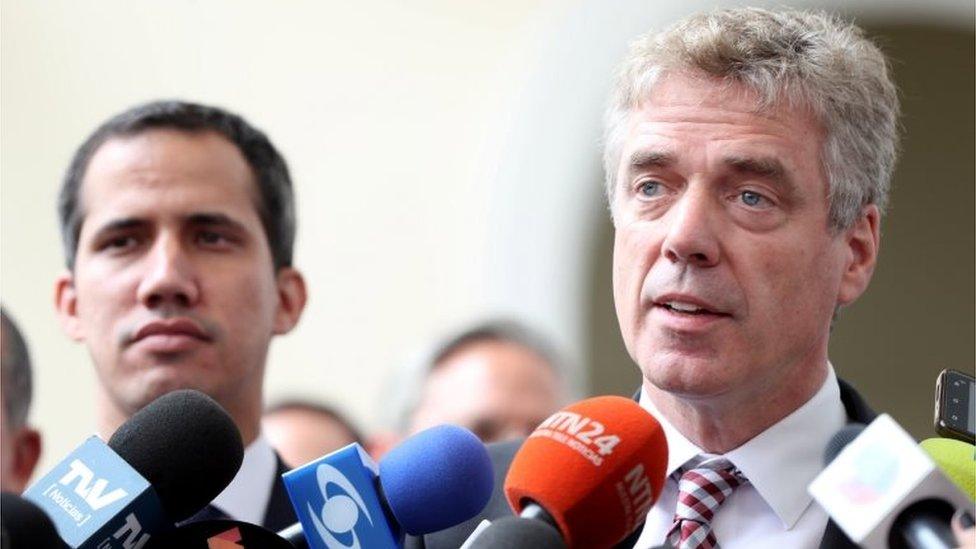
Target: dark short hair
x: 326, y: 410
x: 276, y: 206
x: 15, y: 372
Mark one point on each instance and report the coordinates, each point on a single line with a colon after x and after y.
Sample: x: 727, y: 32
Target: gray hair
x: 408, y: 384
x: 800, y: 59
x: 15, y: 369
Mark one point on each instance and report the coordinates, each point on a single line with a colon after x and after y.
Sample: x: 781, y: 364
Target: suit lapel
x: 858, y: 411
x: 279, y: 514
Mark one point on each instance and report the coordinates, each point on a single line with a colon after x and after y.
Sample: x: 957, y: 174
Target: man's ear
x: 862, y: 242
x: 27, y: 452
x: 291, y: 299
x: 66, y: 304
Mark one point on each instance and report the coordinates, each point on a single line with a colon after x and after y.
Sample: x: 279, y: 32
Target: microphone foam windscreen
x: 25, y: 525
x: 596, y: 466
x: 840, y: 440
x: 956, y: 459
x: 437, y: 478
x: 517, y: 532
x: 186, y: 446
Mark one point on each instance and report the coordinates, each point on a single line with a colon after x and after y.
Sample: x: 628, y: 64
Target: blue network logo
x: 340, y: 512
x: 337, y: 503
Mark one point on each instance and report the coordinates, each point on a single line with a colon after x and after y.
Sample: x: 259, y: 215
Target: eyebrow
x: 206, y: 219
x: 652, y: 158
x: 209, y: 219
x: 120, y: 225
x: 765, y: 167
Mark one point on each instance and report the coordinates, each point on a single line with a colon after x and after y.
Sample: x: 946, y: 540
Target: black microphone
x: 24, y: 525
x: 840, y: 440
x: 186, y: 446
x: 161, y: 466
x: 207, y: 534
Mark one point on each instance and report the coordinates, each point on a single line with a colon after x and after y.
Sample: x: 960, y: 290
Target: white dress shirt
x: 246, y: 497
x: 773, y: 509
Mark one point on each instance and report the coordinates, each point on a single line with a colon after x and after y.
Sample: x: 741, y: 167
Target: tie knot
x: 703, y: 485
x: 711, y: 469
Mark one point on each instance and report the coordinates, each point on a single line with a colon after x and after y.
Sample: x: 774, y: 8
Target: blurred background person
x: 20, y: 444
x: 498, y: 378
x: 303, y: 430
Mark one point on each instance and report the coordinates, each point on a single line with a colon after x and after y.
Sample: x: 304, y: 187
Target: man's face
x: 725, y: 272
x: 498, y: 390
x: 173, y: 285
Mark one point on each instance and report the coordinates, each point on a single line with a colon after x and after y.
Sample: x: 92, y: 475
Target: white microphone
x: 883, y: 490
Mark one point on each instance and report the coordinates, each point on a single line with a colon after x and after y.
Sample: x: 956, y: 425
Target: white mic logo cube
x: 880, y: 473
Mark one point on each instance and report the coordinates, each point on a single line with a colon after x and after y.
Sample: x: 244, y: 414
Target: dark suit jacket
x: 502, y: 454
x: 279, y: 513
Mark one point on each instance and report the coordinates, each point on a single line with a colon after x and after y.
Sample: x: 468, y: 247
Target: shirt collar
x: 782, y: 460
x: 246, y: 497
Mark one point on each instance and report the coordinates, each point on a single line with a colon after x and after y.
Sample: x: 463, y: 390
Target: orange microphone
x: 592, y: 470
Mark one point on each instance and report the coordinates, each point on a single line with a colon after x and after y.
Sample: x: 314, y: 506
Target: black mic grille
x: 840, y: 440
x: 186, y: 446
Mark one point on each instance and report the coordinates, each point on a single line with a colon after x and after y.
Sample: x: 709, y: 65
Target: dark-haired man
x: 178, y: 225
x: 20, y: 444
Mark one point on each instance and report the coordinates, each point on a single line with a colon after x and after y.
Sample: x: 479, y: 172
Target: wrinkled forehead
x: 708, y: 108
x: 690, y: 88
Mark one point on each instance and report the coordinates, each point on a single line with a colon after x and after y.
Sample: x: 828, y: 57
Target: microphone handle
x: 929, y: 533
x: 924, y: 525
x: 295, y: 536
x: 534, y: 511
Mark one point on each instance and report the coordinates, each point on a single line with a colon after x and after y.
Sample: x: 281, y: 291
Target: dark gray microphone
x: 518, y: 533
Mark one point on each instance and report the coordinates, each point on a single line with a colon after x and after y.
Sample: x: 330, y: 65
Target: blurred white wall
x: 445, y: 156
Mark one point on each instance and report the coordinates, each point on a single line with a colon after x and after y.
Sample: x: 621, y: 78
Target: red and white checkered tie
x: 701, y: 489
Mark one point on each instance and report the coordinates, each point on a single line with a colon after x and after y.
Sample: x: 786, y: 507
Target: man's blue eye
x: 750, y: 198
x: 649, y: 188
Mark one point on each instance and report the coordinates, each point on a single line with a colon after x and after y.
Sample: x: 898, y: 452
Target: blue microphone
x: 161, y: 466
x: 435, y: 479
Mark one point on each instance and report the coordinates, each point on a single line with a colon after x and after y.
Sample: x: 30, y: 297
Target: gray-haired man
x: 748, y: 159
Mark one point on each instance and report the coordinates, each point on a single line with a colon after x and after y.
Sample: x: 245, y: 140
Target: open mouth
x: 690, y: 309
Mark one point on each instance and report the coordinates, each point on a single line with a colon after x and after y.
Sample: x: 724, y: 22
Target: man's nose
x: 691, y: 238
x: 169, y: 278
